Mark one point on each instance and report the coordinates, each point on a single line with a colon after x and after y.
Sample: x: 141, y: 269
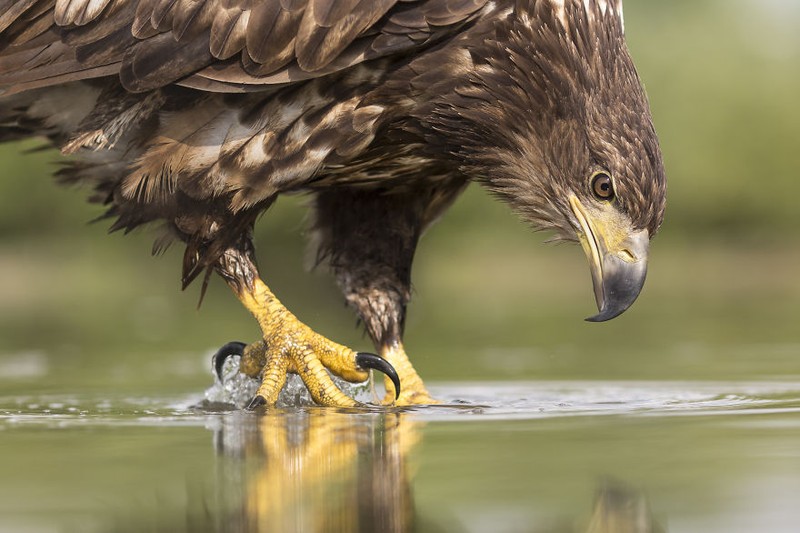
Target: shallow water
x: 523, y: 456
x: 680, y: 416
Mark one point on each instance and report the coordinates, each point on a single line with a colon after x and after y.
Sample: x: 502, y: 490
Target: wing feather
x: 192, y: 17
x: 231, y: 73
x: 105, y: 50
x: 78, y: 12
x: 11, y: 11
x: 326, y: 13
x: 216, y: 45
x: 271, y: 33
x: 51, y: 64
x: 318, y: 45
x: 229, y: 28
x: 114, y: 20
x: 162, y: 15
x: 26, y: 29
x: 447, y: 13
x: 159, y: 61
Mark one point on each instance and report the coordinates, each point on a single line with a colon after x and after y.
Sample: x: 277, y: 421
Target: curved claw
x: 371, y: 361
x: 256, y: 402
x: 232, y: 348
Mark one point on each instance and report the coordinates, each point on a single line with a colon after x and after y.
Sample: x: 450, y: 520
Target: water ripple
x: 461, y: 402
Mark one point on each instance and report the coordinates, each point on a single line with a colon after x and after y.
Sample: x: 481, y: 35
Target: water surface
x: 522, y: 456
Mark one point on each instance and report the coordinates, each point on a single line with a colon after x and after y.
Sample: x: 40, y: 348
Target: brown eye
x: 602, y: 186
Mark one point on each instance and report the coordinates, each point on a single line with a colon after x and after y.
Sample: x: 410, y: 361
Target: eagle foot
x: 364, y: 360
x: 294, y: 347
x: 289, y: 345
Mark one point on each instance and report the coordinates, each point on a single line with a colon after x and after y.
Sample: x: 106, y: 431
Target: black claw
x: 232, y: 348
x: 370, y: 360
x: 256, y: 402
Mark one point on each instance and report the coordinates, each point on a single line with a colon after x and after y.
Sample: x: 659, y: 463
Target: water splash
x: 236, y: 389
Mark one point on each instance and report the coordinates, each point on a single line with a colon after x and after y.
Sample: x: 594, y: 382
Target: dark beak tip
x: 605, y: 315
x: 621, y: 287
x: 608, y: 312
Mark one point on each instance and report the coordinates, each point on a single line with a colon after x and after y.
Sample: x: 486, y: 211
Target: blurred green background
x: 82, y: 309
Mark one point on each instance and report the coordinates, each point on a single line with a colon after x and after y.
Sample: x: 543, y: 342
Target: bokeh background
x: 80, y: 309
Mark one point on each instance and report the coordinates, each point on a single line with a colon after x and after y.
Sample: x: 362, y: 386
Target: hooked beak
x: 617, y: 257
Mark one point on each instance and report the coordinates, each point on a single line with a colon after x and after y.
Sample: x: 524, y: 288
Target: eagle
x: 196, y: 115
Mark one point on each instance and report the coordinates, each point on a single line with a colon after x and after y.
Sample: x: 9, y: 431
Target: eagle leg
x: 367, y: 237
x: 414, y: 391
x: 288, y: 344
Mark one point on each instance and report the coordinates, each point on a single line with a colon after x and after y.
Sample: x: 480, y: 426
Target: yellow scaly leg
x: 413, y: 391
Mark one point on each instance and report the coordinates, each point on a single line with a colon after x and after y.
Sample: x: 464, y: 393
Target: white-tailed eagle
x: 198, y: 114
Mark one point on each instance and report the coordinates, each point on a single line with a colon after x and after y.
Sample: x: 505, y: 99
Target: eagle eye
x: 602, y: 186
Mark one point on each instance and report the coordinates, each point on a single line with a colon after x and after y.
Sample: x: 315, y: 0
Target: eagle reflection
x: 318, y: 470
x: 622, y: 508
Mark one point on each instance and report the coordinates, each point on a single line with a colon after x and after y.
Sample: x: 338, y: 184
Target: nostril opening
x: 627, y: 256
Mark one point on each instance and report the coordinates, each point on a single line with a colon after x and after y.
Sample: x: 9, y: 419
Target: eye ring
x: 602, y: 186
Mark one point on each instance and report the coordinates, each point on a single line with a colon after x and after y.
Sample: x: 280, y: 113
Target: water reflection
x: 621, y: 508
x: 318, y: 470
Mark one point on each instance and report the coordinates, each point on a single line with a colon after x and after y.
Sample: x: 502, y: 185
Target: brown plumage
x: 198, y: 113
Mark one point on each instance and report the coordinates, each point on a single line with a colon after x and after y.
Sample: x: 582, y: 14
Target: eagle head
x: 553, y: 119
